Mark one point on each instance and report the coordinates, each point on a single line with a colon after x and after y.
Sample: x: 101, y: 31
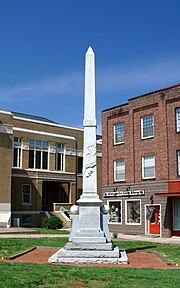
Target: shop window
x: 26, y: 194
x: 60, y: 154
x: 119, y: 170
x: 38, y: 154
x: 26, y: 220
x: 147, y: 127
x: 148, y: 167
x: 115, y: 211
x: 119, y: 133
x: 178, y: 162
x: 176, y: 213
x: 17, y: 152
x: 178, y: 119
x: 133, y: 212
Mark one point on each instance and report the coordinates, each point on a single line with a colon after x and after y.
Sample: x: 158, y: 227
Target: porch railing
x: 61, y: 207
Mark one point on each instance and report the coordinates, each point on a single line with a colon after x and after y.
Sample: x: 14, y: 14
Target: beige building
x: 41, y: 167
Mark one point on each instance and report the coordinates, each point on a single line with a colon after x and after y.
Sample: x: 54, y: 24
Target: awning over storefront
x: 171, y: 194
x: 173, y: 190
x: 174, y: 186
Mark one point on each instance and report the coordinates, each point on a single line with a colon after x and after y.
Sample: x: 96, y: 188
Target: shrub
x: 51, y: 222
x: 115, y: 234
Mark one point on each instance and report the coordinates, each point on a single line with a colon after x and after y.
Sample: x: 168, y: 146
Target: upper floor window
x: 38, y: 154
x: 119, y: 133
x: 119, y: 170
x: 147, y: 127
x: 17, y: 152
x: 178, y: 162
x: 148, y: 166
x: 178, y: 119
x: 60, y: 157
x: 26, y: 194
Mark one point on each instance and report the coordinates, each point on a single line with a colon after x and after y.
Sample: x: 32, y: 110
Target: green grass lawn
x: 12, y: 246
x: 50, y: 231
x: 53, y: 275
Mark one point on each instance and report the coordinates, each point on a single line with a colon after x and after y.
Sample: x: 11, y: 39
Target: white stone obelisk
x: 89, y: 123
x: 89, y: 240
x: 89, y: 202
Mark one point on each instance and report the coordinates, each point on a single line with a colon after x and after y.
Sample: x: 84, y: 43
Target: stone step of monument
x: 63, y: 253
x: 86, y: 239
x: 89, y: 246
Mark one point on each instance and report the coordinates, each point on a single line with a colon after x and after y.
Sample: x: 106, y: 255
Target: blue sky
x: 43, y: 45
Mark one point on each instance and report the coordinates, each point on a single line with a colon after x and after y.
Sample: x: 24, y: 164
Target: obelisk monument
x: 89, y: 240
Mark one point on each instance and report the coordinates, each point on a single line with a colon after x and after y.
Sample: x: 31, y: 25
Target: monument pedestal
x: 81, y: 255
x: 87, y: 244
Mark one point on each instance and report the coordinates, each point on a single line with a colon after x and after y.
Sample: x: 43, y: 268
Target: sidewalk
x: 172, y: 240
x: 27, y: 233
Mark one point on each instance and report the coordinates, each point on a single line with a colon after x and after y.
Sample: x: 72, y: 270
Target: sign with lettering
x: 124, y: 193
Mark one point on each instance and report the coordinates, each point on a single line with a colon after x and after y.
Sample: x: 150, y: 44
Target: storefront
x: 133, y: 212
x: 173, y: 197
x: 139, y: 211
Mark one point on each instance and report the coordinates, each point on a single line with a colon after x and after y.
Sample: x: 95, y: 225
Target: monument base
x: 89, y: 253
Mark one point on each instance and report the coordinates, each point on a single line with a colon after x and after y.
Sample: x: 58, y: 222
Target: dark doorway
x: 54, y: 192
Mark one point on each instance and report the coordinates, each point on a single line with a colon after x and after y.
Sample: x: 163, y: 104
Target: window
x: 38, y: 154
x: 147, y: 127
x: 17, y: 152
x: 178, y: 119
x: 26, y: 194
x: 115, y: 211
x: 133, y: 212
x: 119, y: 133
x: 80, y: 165
x: 119, y: 170
x: 178, y: 162
x: 60, y: 157
x: 26, y: 220
x: 148, y: 166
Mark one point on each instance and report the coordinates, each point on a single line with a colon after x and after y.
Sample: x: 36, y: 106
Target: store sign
x: 124, y: 193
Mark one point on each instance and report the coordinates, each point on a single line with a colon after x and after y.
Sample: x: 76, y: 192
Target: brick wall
x: 163, y: 145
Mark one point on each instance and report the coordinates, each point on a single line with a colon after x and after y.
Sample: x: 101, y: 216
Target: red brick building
x: 141, y: 163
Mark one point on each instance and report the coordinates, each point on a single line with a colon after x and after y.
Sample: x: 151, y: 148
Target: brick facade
x: 46, y: 185
x: 162, y: 147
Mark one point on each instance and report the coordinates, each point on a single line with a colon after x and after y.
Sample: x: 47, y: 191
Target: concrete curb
x: 20, y: 254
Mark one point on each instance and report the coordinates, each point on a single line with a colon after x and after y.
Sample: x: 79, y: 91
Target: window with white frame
x: 178, y: 162
x: 178, y: 119
x: 26, y: 194
x: 60, y: 154
x: 148, y: 167
x: 38, y: 154
x: 17, y: 152
x: 115, y: 211
x: 119, y: 133
x: 119, y: 170
x: 133, y: 212
x: 147, y: 126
